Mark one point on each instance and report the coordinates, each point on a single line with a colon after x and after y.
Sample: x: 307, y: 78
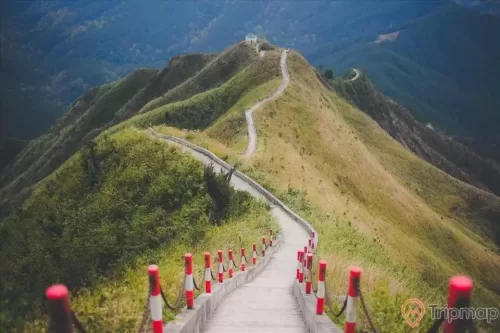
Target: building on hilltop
x: 251, y: 38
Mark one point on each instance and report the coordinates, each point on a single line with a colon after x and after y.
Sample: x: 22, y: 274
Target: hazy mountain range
x: 52, y: 51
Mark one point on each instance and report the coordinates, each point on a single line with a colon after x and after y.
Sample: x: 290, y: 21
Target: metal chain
x: 224, y: 269
x: 196, y: 285
x: 145, y: 316
x: 329, y: 303
x: 212, y: 274
x: 247, y: 261
x: 234, y: 264
x: 77, y: 323
x: 179, y: 299
x: 365, y: 309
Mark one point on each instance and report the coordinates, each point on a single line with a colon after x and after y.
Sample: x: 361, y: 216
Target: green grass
x: 407, y: 224
x: 125, y: 200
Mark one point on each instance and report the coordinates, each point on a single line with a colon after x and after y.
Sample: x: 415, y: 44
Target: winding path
x: 355, y: 77
x: 266, y: 304
x: 252, y: 133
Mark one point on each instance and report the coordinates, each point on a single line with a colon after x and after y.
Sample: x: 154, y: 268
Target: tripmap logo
x: 413, y: 311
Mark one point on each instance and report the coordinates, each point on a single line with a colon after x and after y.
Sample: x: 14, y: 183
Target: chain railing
x: 459, y: 296
x: 62, y: 319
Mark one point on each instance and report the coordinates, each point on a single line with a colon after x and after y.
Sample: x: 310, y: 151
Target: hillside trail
x: 252, y: 133
x: 266, y: 304
x: 355, y: 77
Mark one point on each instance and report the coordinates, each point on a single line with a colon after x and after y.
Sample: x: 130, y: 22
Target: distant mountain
x: 443, y: 67
x: 53, y: 51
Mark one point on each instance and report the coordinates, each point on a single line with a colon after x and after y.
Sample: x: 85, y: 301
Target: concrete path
x: 355, y: 77
x: 266, y: 304
x: 252, y: 133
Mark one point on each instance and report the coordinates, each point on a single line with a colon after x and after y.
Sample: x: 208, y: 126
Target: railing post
x: 263, y: 246
x: 208, y: 273
x: 270, y: 237
x: 243, y: 260
x: 59, y: 309
x: 254, y: 253
x: 459, y: 295
x: 313, y: 238
x: 155, y: 298
x: 189, y: 286
x: 221, y: 267
x: 308, y: 273
x: 298, y: 264
x: 230, y: 264
x: 301, y: 266
x: 320, y: 302
x: 352, y: 298
x: 309, y: 246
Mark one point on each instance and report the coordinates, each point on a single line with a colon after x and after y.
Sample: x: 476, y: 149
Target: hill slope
x: 208, y: 84
x: 425, y: 141
x: 375, y: 203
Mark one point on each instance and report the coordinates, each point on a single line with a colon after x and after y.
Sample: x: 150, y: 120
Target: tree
x: 329, y: 74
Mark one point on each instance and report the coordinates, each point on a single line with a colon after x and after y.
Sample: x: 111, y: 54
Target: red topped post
x: 320, y: 295
x: 301, y: 266
x: 270, y: 237
x: 243, y: 260
x: 230, y: 264
x: 309, y: 245
x: 254, y: 253
x: 313, y: 238
x: 263, y: 246
x: 188, y: 260
x: 460, y: 291
x: 221, y: 267
x: 298, y: 264
x: 352, y: 298
x: 59, y: 309
x: 208, y: 273
x: 309, y: 261
x: 155, y: 298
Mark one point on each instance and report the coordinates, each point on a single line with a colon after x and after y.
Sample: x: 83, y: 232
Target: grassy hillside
x: 44, y: 154
x: 119, y: 204
x: 408, y: 224
x: 425, y: 141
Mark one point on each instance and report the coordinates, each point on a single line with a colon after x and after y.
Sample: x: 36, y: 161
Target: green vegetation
x: 118, y: 199
x: 409, y: 225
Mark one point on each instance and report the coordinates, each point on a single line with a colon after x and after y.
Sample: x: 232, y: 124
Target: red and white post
x: 270, y: 237
x: 308, y: 273
x: 59, y: 309
x: 309, y: 246
x: 208, y: 273
x: 243, y: 260
x: 301, y: 266
x: 460, y: 289
x: 155, y: 298
x: 352, y: 300
x: 320, y: 295
x: 230, y: 264
x: 313, y: 236
x: 189, y: 286
x: 298, y: 264
x: 263, y: 246
x: 221, y: 267
x: 254, y: 253
x: 304, y: 258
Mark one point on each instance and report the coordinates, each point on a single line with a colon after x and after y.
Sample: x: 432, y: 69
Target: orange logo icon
x: 413, y: 311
